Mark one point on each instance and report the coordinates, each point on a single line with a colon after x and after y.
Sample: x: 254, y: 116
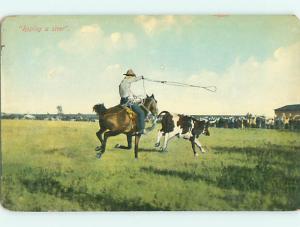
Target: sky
x: 78, y: 61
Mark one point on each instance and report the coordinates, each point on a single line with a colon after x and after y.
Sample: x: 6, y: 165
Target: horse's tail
x: 100, y: 109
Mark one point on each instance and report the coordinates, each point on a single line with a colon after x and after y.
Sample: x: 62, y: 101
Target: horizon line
x: 176, y: 113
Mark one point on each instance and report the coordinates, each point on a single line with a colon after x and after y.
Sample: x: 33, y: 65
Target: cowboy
x: 128, y: 98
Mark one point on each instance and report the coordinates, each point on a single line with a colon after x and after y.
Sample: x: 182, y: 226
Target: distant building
x: 289, y: 111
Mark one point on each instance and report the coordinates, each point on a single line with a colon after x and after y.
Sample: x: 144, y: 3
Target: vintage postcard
x: 150, y: 113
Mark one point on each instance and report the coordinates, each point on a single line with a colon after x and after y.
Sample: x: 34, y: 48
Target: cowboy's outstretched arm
x: 135, y: 79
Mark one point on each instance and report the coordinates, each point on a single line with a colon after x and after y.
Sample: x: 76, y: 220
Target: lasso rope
x: 145, y: 93
x: 179, y: 84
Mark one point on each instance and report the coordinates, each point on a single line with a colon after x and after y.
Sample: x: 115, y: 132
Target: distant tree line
x: 52, y: 117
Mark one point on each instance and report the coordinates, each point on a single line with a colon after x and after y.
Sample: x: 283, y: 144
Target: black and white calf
x: 181, y: 126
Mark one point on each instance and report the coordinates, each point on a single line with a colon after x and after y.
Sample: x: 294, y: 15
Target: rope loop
x: 179, y: 84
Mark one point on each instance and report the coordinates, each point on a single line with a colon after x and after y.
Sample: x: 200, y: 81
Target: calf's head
x: 200, y: 127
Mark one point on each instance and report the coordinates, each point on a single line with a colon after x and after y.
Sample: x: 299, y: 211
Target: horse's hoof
x: 98, y: 148
x: 156, y: 145
x: 98, y: 155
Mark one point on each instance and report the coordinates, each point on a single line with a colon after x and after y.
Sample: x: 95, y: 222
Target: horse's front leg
x: 129, y: 142
x: 136, y: 146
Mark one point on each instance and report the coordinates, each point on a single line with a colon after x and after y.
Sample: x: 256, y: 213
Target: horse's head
x: 99, y: 108
x: 151, y: 104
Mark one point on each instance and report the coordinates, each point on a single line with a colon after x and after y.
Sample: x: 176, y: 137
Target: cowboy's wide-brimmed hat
x: 129, y: 73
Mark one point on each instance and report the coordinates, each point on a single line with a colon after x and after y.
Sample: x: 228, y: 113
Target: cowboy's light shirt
x: 124, y: 87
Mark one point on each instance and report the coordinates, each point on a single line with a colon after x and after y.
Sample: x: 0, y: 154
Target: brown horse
x: 117, y: 120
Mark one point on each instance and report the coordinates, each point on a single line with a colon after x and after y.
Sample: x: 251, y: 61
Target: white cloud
x: 148, y: 23
x: 153, y: 24
x: 122, y: 41
x: 83, y: 40
x: 249, y: 86
x: 94, y: 28
x: 112, y: 75
x: 115, y: 37
x: 114, y: 67
x: 91, y: 38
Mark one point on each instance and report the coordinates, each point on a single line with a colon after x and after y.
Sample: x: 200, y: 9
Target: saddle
x: 131, y: 113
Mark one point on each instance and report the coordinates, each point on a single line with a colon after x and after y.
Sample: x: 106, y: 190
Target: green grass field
x: 52, y: 166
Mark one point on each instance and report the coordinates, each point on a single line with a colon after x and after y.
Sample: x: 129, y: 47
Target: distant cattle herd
x: 253, y: 121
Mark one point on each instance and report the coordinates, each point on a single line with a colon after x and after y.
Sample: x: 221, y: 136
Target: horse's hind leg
x: 99, y: 136
x: 103, y: 147
x: 106, y: 135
